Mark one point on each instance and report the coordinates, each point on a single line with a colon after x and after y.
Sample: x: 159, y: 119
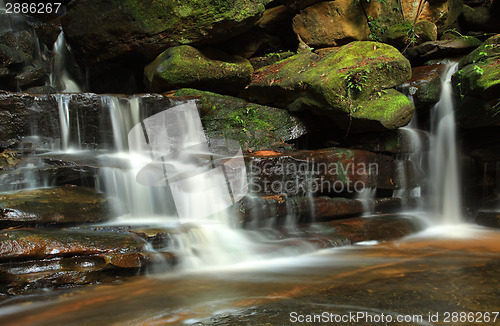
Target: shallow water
x: 415, y: 276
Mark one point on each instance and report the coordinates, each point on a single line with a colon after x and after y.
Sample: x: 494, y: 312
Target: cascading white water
x: 60, y: 78
x: 367, y: 199
x: 444, y: 156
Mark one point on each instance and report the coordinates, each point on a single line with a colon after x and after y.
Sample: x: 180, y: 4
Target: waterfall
x: 60, y: 77
x: 444, y: 156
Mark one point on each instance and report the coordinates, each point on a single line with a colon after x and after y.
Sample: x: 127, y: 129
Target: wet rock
x: 398, y: 141
x: 379, y: 228
x: 27, y: 244
x: 109, y: 29
x: 21, y: 41
x: 478, y: 85
x: 206, y: 69
x: 332, y: 171
x: 9, y: 160
x: 10, y: 56
x: 347, y: 85
x: 41, y: 90
x: 441, y: 49
x: 30, y: 76
x: 424, y: 85
x: 488, y: 218
x: 54, y: 205
x: 254, y: 126
x: 43, y: 171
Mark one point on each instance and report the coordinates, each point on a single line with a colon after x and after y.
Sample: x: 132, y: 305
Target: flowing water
x: 444, y: 156
x: 164, y: 172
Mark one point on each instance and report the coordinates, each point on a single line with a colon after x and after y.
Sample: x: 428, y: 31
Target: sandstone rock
x: 424, y: 85
x: 254, y: 126
x: 400, y: 35
x: 380, y: 228
x: 442, y: 13
x: 54, y: 205
x: 334, y: 23
x: 441, y: 49
x: 206, y: 69
x: 398, y: 141
x: 346, y: 84
x: 24, y: 244
x: 334, y: 171
x: 331, y: 23
x: 108, y: 29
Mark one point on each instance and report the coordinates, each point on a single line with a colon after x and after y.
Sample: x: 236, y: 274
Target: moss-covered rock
x: 478, y: 85
x: 106, y: 29
x: 347, y: 84
x: 207, y: 69
x: 400, y: 35
x: 254, y: 126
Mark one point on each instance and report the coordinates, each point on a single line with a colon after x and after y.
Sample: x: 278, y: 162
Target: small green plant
x: 376, y: 29
x: 478, y: 70
x: 355, y: 80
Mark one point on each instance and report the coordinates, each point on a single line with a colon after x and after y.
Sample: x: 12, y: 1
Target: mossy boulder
x: 478, y: 85
x: 399, y: 35
x: 254, y: 126
x: 107, y: 29
x: 207, y: 69
x: 350, y: 85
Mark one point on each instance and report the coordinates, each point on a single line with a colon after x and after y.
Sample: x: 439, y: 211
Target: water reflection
x: 417, y: 275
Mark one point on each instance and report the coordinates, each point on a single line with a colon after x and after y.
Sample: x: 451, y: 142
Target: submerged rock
x: 378, y: 228
x: 206, y: 69
x: 108, y: 29
x: 54, y: 205
x: 350, y: 85
x: 254, y: 126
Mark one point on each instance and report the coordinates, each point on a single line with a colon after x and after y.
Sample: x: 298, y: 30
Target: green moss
x: 185, y: 66
x: 253, y: 126
x: 390, y: 109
